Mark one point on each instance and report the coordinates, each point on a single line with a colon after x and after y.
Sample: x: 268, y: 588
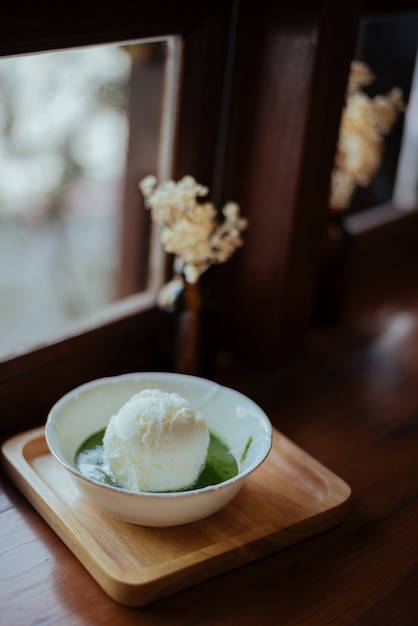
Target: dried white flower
x: 364, y: 123
x: 190, y: 229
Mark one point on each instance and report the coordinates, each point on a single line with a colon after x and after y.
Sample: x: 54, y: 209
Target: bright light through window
x: 64, y: 137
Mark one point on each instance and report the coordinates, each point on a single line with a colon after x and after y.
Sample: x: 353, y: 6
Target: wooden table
x: 353, y: 404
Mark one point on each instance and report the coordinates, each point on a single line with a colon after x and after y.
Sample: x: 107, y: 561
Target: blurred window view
x: 405, y: 192
x: 67, y: 129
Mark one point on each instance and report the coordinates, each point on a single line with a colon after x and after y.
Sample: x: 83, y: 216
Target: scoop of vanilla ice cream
x: 156, y: 442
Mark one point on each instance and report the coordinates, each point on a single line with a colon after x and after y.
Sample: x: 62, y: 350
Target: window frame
x: 126, y: 336
x: 235, y: 133
x: 379, y: 239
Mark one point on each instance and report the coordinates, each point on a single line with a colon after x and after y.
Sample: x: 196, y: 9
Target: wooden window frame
x: 367, y: 245
x: 127, y: 337
x: 263, y: 135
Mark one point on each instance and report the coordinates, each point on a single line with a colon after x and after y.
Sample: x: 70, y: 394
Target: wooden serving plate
x: 289, y: 498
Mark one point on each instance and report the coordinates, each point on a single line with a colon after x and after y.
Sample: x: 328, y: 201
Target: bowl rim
x: 97, y: 382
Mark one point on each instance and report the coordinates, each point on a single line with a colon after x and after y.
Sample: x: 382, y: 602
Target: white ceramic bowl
x: 88, y: 408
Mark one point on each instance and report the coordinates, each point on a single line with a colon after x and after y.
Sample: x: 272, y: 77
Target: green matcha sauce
x: 220, y: 463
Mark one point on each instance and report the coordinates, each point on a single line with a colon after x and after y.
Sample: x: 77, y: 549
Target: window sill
x: 125, y: 338
x: 382, y: 216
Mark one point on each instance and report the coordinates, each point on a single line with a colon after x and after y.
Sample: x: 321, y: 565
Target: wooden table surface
x: 353, y: 404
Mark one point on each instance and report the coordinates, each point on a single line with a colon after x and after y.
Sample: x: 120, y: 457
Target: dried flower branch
x: 364, y: 123
x: 190, y: 229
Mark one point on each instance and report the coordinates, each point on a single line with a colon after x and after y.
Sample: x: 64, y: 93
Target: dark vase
x: 188, y: 332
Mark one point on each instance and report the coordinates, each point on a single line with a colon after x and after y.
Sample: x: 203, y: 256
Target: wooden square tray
x: 288, y: 499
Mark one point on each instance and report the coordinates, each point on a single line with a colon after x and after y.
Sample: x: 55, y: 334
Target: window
x: 372, y: 235
x: 259, y: 100
x: 405, y: 192
x: 387, y: 48
x: 125, y: 336
x: 80, y: 127
x: 389, y: 45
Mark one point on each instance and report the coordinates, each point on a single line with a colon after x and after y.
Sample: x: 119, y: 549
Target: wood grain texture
x: 352, y: 404
x: 282, y: 135
x: 288, y: 499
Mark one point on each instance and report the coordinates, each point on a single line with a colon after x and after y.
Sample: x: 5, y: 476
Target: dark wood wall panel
x: 30, y: 26
x: 291, y: 69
